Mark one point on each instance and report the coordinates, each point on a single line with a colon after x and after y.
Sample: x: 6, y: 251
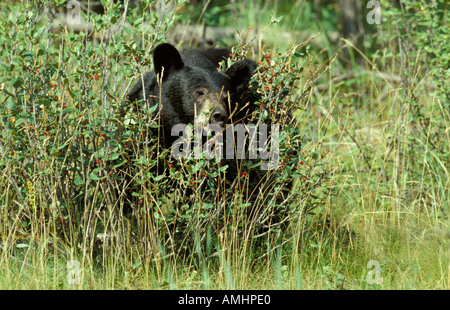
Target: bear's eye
x: 199, y: 93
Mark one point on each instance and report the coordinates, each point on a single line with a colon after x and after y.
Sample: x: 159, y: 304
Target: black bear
x: 191, y: 89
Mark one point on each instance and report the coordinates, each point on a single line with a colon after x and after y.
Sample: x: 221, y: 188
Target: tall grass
x: 378, y: 133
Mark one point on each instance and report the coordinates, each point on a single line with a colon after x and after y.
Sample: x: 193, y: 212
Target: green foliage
x: 423, y: 50
x: 82, y: 163
x: 61, y: 112
x: 363, y: 168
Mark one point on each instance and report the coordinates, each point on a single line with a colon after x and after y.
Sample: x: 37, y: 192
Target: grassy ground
x: 384, y: 125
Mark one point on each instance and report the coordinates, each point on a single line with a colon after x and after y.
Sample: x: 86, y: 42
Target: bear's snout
x: 219, y: 117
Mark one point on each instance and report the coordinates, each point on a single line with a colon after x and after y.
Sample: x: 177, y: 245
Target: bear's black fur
x: 189, y: 85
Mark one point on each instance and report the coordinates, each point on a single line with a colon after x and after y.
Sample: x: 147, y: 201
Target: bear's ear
x: 216, y: 55
x: 241, y: 72
x: 166, y: 56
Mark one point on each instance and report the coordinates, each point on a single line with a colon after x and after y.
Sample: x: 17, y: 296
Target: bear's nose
x: 219, y: 117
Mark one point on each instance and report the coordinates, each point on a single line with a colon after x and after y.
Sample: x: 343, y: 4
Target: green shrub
x: 82, y: 166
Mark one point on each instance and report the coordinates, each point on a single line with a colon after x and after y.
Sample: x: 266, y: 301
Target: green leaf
x: 11, y: 103
x: 153, y: 108
x: 159, y: 177
x: 276, y: 19
x: 120, y: 164
x: 114, y: 156
x: 19, y: 121
x: 17, y: 82
x: 135, y: 265
x: 94, y: 177
x: 128, y: 31
x: 79, y: 181
x: 6, y: 67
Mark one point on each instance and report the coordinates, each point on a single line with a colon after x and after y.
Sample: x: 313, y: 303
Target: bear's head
x: 191, y: 88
